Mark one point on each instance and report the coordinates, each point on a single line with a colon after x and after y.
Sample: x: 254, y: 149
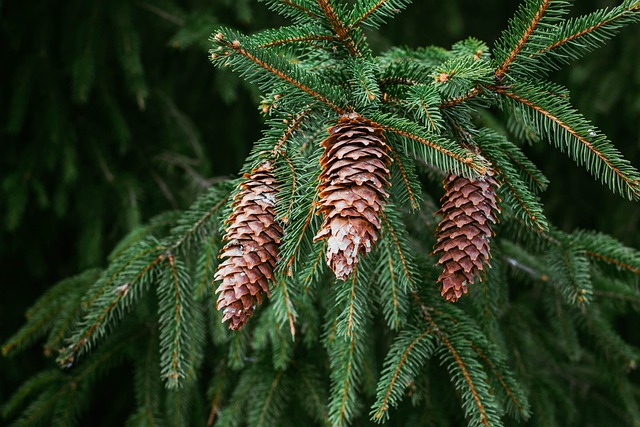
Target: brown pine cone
x: 355, y: 173
x: 253, y: 237
x: 468, y: 209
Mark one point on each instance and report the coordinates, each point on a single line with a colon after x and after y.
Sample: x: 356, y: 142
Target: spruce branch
x: 554, y: 118
x: 243, y: 56
x: 300, y: 35
x: 409, y: 179
x: 176, y: 321
x: 399, y: 242
x: 569, y: 267
x: 531, y: 24
x: 466, y: 372
x: 48, y: 311
x: 392, y: 114
x: 515, y: 395
x: 373, y: 13
x: 302, y: 11
x: 577, y: 36
x: 407, y: 355
x: 346, y: 366
x: 608, y: 250
x: 351, y: 297
x: 113, y: 298
x: 452, y: 102
x: 441, y: 153
x: 341, y: 30
x: 283, y: 304
x: 516, y: 191
x: 313, y: 392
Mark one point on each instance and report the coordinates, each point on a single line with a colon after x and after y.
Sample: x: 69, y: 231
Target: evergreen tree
x: 331, y: 222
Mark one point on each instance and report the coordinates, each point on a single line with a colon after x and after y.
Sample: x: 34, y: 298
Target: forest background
x: 110, y: 113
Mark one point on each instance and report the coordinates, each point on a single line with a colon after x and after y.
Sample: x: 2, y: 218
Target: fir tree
x: 342, y: 342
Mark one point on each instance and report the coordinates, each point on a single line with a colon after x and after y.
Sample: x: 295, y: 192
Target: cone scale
x: 469, y: 208
x: 253, y: 237
x: 355, y: 174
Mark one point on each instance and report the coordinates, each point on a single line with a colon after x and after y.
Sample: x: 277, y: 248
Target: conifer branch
x: 62, y: 326
x: 460, y: 364
x: 601, y: 24
x: 352, y: 302
x: 368, y: 13
x: 339, y: 28
x: 532, y: 176
x: 288, y: 263
x: 383, y: 406
x: 502, y: 68
x: 579, y: 292
x: 300, y: 8
x: 236, y: 46
x: 405, y: 178
x: 316, y: 263
x: 342, y: 412
x: 522, y: 204
x: 269, y: 398
x: 397, y: 81
x: 130, y: 260
x: 374, y: 14
x: 524, y: 413
x: 394, y: 292
x: 398, y: 246
x: 312, y: 390
x: 174, y: 373
x: 632, y: 185
x: 207, y: 271
x: 472, y: 388
x: 288, y: 304
x: 214, y: 409
x: 82, y: 340
x: 613, y: 261
x: 468, y: 161
x: 299, y: 39
x: 452, y: 102
x: 199, y: 223
x: 293, y: 126
x: 421, y: 106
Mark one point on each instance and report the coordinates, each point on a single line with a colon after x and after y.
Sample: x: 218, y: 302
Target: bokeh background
x: 110, y: 113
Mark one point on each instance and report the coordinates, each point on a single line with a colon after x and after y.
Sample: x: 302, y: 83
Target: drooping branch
x: 463, y: 368
x: 384, y: 405
x: 501, y: 380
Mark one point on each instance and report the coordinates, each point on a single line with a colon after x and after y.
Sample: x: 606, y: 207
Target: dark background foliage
x: 110, y: 113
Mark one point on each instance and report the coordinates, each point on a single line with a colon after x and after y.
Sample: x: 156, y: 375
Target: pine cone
x: 253, y: 237
x: 468, y: 208
x: 352, y: 186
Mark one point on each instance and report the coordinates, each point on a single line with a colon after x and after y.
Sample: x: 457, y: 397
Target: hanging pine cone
x: 352, y: 186
x: 253, y: 237
x: 468, y: 209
